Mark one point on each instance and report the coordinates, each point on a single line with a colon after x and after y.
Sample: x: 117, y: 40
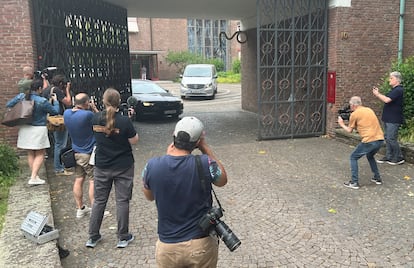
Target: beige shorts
x: 83, y: 169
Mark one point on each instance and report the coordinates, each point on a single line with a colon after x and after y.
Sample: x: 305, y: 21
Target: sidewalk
x: 15, y: 249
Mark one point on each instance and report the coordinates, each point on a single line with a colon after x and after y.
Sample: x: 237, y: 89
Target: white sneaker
x: 36, y: 181
x: 82, y: 212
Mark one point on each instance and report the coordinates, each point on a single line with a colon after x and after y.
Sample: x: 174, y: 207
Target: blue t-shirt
x: 179, y: 196
x: 79, y: 126
x: 393, y: 111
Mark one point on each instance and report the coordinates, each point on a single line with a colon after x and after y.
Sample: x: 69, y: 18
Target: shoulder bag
x: 67, y: 157
x: 20, y: 114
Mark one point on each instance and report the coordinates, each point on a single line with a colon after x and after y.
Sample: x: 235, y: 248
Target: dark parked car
x: 150, y: 100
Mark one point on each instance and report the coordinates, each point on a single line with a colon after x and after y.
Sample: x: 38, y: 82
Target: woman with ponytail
x: 114, y: 165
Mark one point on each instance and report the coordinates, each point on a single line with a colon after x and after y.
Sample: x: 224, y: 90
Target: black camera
x: 211, y: 223
x: 129, y: 107
x: 345, y: 113
x: 123, y: 108
x: 44, y: 73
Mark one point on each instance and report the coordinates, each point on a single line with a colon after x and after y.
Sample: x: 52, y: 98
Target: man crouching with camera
x: 365, y: 121
x: 181, y: 198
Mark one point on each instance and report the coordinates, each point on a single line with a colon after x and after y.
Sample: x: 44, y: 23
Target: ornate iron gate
x: 87, y: 40
x: 291, y: 67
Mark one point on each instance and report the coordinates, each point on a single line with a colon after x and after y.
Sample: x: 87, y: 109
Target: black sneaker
x: 382, y: 160
x: 92, y: 242
x: 352, y: 185
x: 396, y: 162
x: 377, y: 181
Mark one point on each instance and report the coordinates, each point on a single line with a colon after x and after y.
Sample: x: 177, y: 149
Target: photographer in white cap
x: 173, y: 182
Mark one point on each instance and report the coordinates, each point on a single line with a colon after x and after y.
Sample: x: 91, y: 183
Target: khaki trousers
x: 195, y: 253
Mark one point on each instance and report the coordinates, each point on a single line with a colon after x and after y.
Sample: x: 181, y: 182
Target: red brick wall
x: 363, y: 42
x: 169, y: 35
x: 163, y: 35
x: 17, y: 48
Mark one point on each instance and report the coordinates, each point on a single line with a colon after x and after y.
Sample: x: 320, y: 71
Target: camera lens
x: 228, y: 237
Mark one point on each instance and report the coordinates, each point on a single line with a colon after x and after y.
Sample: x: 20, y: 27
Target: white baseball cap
x: 190, y: 125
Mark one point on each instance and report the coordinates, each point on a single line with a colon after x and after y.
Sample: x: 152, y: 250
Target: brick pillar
x: 17, y: 49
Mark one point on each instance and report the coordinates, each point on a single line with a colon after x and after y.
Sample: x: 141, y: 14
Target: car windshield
x: 146, y: 88
x: 198, y: 71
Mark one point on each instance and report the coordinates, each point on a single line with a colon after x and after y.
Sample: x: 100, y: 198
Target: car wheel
x: 183, y: 97
x: 175, y: 117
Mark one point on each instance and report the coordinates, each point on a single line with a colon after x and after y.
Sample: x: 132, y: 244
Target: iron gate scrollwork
x: 291, y: 67
x: 87, y: 40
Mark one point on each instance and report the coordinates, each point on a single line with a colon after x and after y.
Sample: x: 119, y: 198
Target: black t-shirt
x: 59, y: 94
x: 393, y: 111
x: 114, y: 151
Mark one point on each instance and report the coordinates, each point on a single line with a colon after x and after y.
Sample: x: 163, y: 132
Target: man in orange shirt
x: 365, y: 121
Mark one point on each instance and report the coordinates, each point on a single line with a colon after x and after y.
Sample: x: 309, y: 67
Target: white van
x: 199, y: 80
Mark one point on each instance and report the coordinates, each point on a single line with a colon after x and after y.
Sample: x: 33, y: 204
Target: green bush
x: 217, y: 62
x: 9, y: 165
x: 182, y: 58
x: 236, y: 66
x: 406, y: 133
x: 228, y: 77
x: 406, y: 68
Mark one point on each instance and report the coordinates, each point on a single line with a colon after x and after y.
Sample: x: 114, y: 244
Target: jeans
x: 123, y: 181
x: 61, y: 140
x: 369, y: 149
x: 391, y: 141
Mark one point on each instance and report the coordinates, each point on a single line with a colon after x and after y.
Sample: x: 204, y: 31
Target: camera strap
x: 203, y: 179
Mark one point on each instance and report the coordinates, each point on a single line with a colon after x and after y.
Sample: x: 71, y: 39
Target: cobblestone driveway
x: 284, y: 200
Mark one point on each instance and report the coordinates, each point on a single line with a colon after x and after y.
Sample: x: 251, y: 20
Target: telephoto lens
x: 228, y: 237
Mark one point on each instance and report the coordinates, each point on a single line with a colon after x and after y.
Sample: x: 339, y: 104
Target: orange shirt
x: 366, y: 122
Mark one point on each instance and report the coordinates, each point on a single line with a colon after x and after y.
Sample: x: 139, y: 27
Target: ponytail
x: 111, y: 100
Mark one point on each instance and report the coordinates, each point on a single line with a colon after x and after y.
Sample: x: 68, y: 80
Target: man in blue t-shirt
x: 78, y: 122
x: 393, y: 118
x: 173, y: 182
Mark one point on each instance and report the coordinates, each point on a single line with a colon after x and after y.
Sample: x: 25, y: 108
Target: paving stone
x: 279, y: 201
